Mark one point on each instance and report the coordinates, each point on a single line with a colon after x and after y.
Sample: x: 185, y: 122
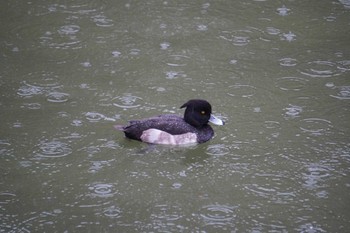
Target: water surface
x: 276, y: 71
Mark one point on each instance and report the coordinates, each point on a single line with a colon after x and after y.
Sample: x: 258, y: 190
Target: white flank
x: 156, y: 136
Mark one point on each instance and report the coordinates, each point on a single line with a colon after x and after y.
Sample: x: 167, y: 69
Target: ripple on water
x: 242, y: 90
x: 177, y: 60
x: 202, y: 27
x: 238, y: 37
x: 57, y: 97
x: 290, y: 36
x: 287, y: 62
x: 344, y: 65
x: 102, y: 21
x: 273, y: 129
x: 283, y: 11
x: 164, y: 45
x: 270, y: 34
x: 293, y: 111
x: 343, y: 93
x: 291, y: 83
x: 270, y: 188
x: 272, y: 125
x: 64, y: 38
x: 166, y: 213
x: 116, y: 53
x: 68, y: 29
x: 7, y: 198
x: 112, y: 212
x: 126, y: 101
x: 32, y: 106
x: 321, y: 69
x: 30, y: 221
x: 91, y: 150
x: 17, y: 124
x: 28, y: 90
x: 54, y: 149
x: 175, y: 74
x: 310, y: 227
x: 76, y: 122
x: 315, y: 178
x: 346, y: 3
x: 98, y: 165
x: 41, y: 83
x: 81, y: 9
x: 165, y: 218
x: 94, y: 116
x: 134, y: 52
x: 273, y: 31
x: 218, y: 150
x: 315, y: 126
x: 218, y: 214
x: 102, y: 190
x: 44, y: 79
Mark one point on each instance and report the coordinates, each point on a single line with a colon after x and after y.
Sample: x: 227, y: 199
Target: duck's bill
x: 216, y: 121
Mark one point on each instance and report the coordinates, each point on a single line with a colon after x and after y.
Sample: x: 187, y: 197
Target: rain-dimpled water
x: 277, y: 73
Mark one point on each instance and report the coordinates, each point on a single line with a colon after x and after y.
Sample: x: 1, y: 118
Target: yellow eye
x: 203, y: 112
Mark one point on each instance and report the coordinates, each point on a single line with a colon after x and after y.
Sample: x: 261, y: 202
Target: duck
x: 171, y: 129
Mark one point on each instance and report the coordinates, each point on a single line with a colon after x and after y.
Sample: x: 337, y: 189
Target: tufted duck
x: 175, y: 130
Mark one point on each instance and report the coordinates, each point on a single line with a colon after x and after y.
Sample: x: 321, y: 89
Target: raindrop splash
x: 53, y: 149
